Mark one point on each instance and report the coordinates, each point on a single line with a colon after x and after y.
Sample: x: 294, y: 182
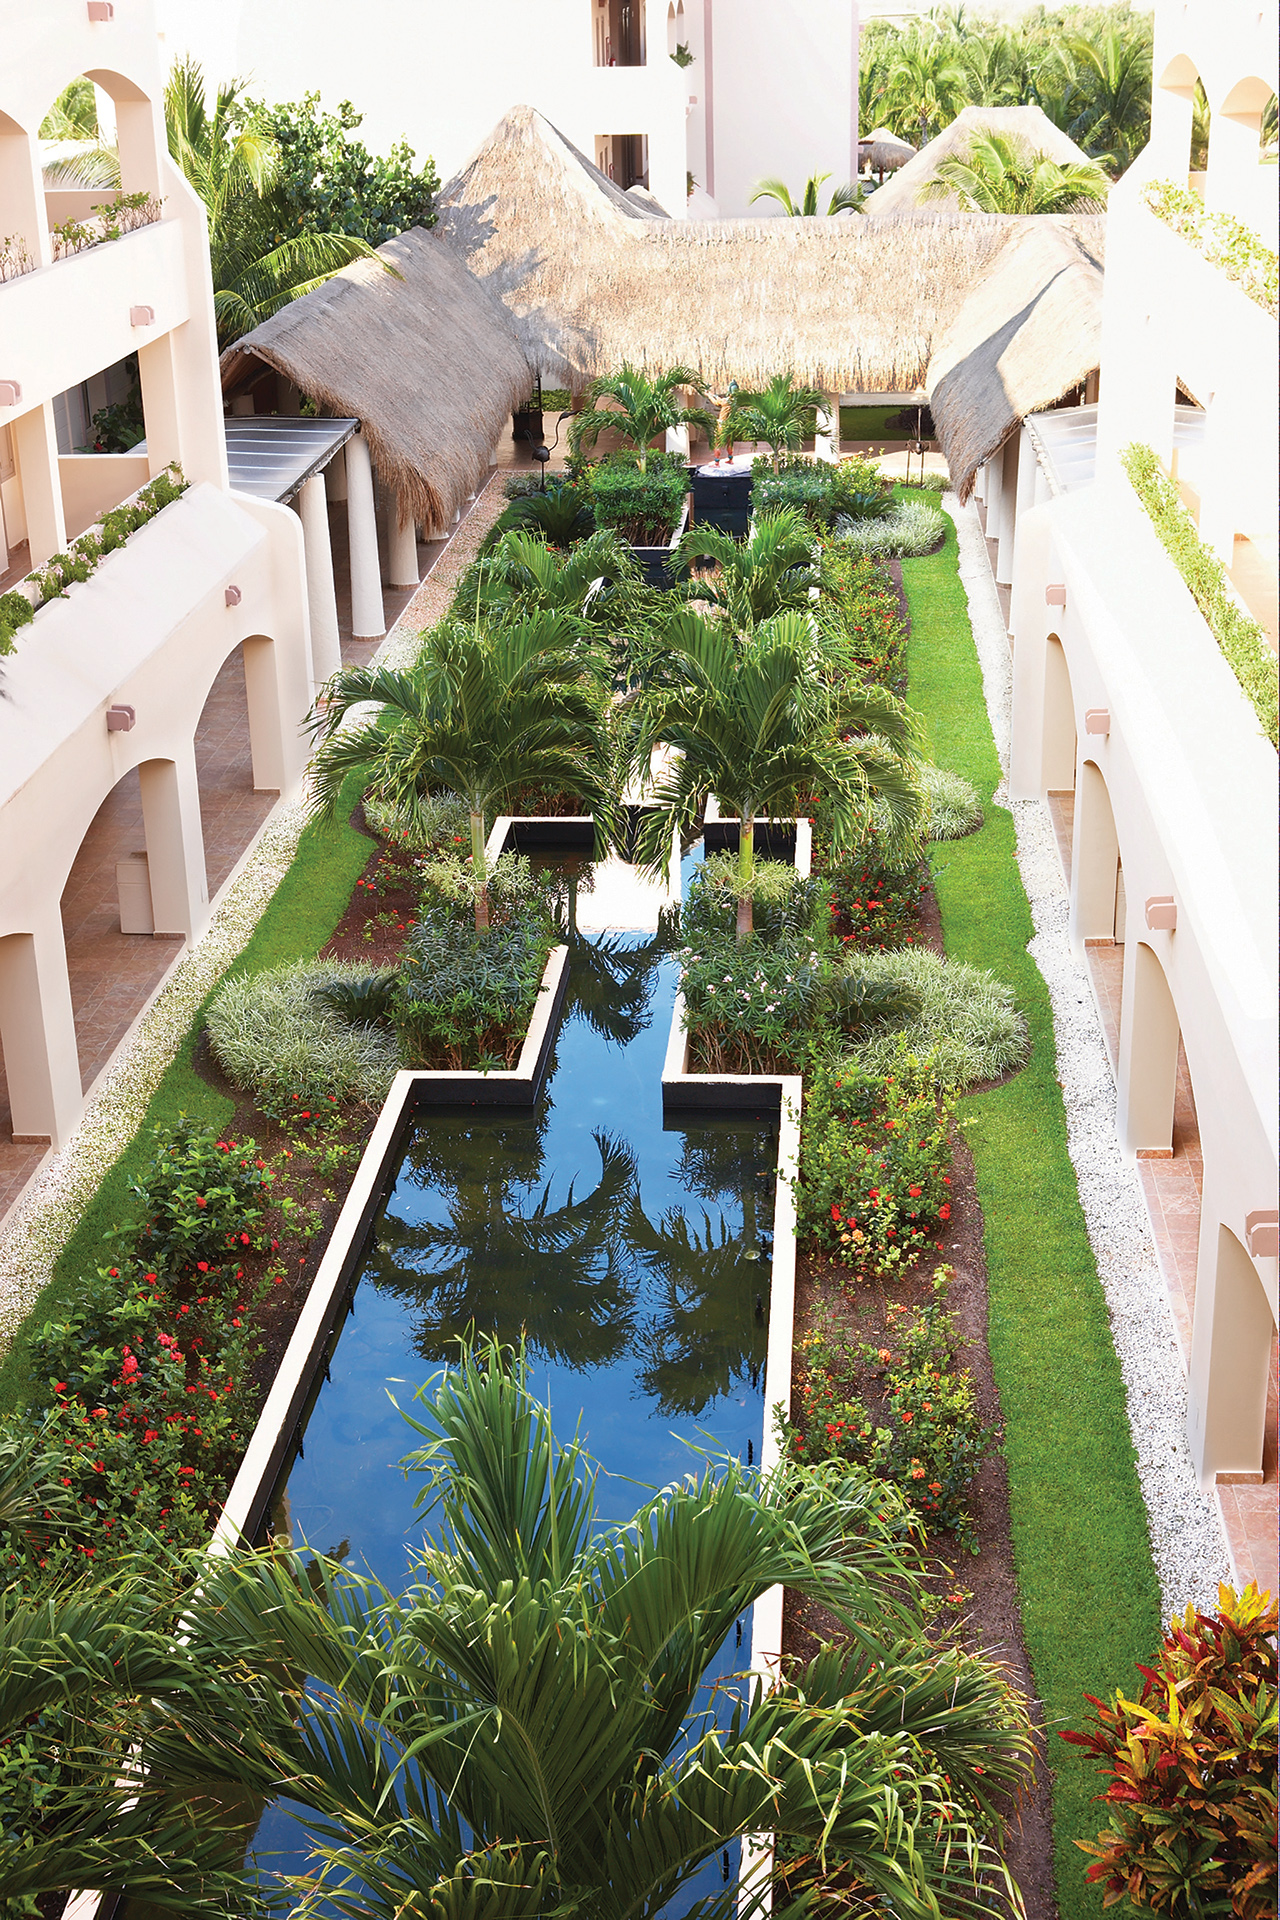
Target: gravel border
x: 46, y: 1213
x: 1188, y: 1541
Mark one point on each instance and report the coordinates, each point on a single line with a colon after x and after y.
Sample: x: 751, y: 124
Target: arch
x: 1179, y: 118
x: 1180, y: 76
x: 1233, y: 1378
x: 237, y: 753
x: 1058, y: 747
x: 1095, y: 865
x: 1149, y: 1041
x: 138, y: 139
x: 1248, y: 100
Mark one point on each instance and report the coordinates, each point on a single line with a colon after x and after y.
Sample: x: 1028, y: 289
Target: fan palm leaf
x: 998, y: 174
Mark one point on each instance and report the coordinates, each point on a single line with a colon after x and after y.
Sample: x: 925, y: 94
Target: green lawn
x: 299, y: 918
x: 869, y: 423
x: 1090, y: 1602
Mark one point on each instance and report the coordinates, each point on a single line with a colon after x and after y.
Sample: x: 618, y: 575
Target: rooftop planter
x: 647, y: 506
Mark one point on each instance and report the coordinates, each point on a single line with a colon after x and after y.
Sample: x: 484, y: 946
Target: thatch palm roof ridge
x: 1028, y: 126
x: 427, y: 359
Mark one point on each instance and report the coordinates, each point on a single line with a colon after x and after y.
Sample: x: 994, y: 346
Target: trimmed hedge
x: 1242, y: 641
x: 1082, y: 1556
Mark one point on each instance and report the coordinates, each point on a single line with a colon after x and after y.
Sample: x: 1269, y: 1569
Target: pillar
x: 678, y: 441
x: 35, y: 445
x: 1147, y: 1080
x: 826, y: 432
x: 335, y: 476
x: 1024, y: 497
x: 266, y: 730
x: 367, y: 619
x: 1230, y: 1354
x: 175, y: 845
x: 322, y: 606
x: 1003, y: 532
x: 22, y: 192
x: 1095, y: 860
x: 38, y: 1032
x: 402, y: 545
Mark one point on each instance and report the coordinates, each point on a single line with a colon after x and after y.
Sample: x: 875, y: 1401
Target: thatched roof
x: 428, y: 362
x: 884, y: 150
x: 1029, y: 332
x: 591, y: 279
x: 1029, y: 125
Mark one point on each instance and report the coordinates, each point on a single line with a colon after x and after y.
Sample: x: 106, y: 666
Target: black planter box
x: 721, y: 500
x: 652, y: 561
x: 527, y: 425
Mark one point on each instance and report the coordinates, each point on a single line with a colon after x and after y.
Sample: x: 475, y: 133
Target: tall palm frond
x: 1114, y: 76
x: 771, y: 571
x: 998, y: 174
x: 846, y: 198
x: 925, y: 85
x: 783, y: 415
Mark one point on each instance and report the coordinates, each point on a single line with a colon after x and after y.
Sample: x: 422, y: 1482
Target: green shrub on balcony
x: 1224, y: 241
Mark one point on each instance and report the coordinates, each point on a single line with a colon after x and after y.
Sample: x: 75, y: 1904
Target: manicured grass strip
x: 871, y: 423
x: 1090, y: 1602
x: 297, y: 921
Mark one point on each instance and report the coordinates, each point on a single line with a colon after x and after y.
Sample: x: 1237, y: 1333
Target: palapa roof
x: 426, y: 359
x: 1029, y: 125
x: 884, y: 150
x: 1029, y: 332
x: 592, y: 278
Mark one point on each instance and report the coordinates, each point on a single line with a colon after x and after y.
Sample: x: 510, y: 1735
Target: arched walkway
x: 1233, y: 1382
x: 232, y: 807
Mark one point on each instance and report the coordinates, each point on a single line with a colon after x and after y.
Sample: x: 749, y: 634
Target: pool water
x: 632, y: 1256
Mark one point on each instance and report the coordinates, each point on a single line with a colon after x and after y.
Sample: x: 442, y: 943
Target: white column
x: 38, y: 1032
x: 1008, y: 508
x: 402, y: 545
x: 35, y: 443
x: 826, y: 438
x: 1230, y: 1353
x: 335, y: 476
x: 175, y: 844
x: 1024, y: 495
x: 678, y: 441
x: 368, y: 621
x: 267, y: 743
x: 313, y: 510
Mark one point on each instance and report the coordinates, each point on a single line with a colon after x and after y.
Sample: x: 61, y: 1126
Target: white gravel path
x: 1188, y: 1543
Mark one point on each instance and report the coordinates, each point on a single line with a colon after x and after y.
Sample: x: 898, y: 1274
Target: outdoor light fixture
x: 1055, y: 596
x: 120, y: 719
x: 233, y: 596
x: 1262, y: 1234
x: 1097, y: 719
x: 1162, y: 914
x: 142, y: 316
x: 101, y: 10
x: 10, y: 393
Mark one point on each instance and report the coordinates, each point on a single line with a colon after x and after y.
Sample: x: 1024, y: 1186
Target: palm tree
x: 1114, y: 75
x: 995, y: 68
x: 771, y: 571
x: 560, y: 513
x: 482, y: 713
x: 753, y: 724
x: 74, y: 116
x: 782, y: 415
x: 232, y: 163
x: 924, y: 87
x: 844, y: 199
x: 643, y: 408
x: 997, y: 174
x: 519, y: 1732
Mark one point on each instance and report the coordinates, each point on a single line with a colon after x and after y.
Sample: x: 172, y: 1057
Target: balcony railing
x: 125, y: 214
x: 1221, y: 239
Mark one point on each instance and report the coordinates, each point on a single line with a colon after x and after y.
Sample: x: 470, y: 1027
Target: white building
x: 109, y: 683
x: 766, y: 91
x: 1129, y: 718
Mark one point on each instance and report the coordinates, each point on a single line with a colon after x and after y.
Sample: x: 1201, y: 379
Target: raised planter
x: 654, y: 561
x: 721, y: 497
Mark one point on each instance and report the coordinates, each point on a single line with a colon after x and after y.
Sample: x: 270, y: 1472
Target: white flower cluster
x: 1187, y: 1540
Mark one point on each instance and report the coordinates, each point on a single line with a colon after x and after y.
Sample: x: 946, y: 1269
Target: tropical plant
x: 279, y: 1033
x: 844, y: 199
x: 1112, y: 72
x: 231, y: 160
x: 755, y: 725
x: 954, y: 807
x: 995, y: 68
x: 1191, y: 1769
x: 641, y: 503
x: 483, y: 713
x: 643, y: 407
x: 968, y: 1025
x: 924, y: 85
x: 782, y: 415
x: 74, y: 116
x: 908, y: 527
x: 328, y: 182
x: 772, y: 570
x: 997, y: 173
x: 463, y: 997
x: 562, y: 515
x: 520, y: 1731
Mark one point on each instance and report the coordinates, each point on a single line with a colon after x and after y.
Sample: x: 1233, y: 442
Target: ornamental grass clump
x: 275, y: 1036
x: 912, y: 528
x: 1191, y: 1770
x: 968, y: 1025
x: 954, y: 808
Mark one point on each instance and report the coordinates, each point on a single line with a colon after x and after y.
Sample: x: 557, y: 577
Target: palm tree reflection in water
x: 590, y: 1278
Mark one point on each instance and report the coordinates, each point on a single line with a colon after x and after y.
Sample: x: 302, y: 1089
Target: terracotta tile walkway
x: 1172, y: 1189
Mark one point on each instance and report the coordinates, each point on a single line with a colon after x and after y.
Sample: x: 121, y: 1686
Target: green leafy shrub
x: 644, y: 508
x: 783, y: 901
x: 1241, y: 639
x: 464, y: 998
x: 1191, y: 1770
x: 870, y: 906
x: 562, y: 513
x: 860, y: 619
x: 822, y: 490
x: 199, y: 1199
x: 926, y: 1437
x: 749, y: 1009
x: 875, y: 1163
x: 954, y: 807
x: 912, y: 527
x: 1224, y: 241
x: 272, y: 1035
x: 969, y: 1025
x: 15, y: 611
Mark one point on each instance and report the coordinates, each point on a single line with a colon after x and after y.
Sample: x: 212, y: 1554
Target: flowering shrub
x: 868, y: 904
x: 201, y: 1197
x: 875, y: 1165
x: 925, y: 1437
x: 749, y: 1009
x: 860, y: 616
x: 1191, y: 1769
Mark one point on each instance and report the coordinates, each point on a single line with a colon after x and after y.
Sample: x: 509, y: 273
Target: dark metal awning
x: 271, y: 454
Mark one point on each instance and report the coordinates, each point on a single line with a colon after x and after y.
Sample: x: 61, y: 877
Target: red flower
x: 914, y: 1192
x: 944, y: 1211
